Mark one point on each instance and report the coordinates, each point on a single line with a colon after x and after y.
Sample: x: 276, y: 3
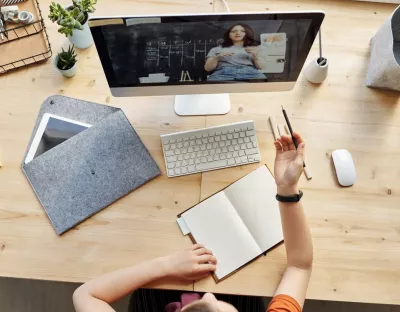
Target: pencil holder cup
x: 317, y: 70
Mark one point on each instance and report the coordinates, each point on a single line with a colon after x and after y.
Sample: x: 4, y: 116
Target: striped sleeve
x: 283, y: 303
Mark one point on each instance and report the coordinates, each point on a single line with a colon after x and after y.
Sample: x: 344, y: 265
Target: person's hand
x: 191, y: 264
x: 224, y: 54
x: 288, y: 163
x: 253, y: 51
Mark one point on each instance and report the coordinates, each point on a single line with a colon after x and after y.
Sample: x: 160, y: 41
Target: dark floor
x: 43, y: 296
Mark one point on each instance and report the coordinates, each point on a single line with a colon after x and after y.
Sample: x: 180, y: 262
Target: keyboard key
x: 236, y: 135
x: 237, y: 130
x: 243, y: 146
x: 240, y: 141
x: 224, y: 150
x: 254, y: 144
x: 205, y: 135
x: 231, y: 161
x: 253, y: 139
x: 199, y: 154
x: 244, y: 159
x: 217, y: 138
x: 171, y: 158
x: 183, y: 150
x: 237, y: 148
x: 216, y: 157
x: 210, y: 158
x: 184, y: 170
x: 178, y: 140
x: 231, y: 148
x: 241, y: 153
x: 234, y: 142
x: 192, y: 137
x: 198, y: 142
x: 185, y: 139
x: 222, y: 156
x: 203, y: 159
x: 250, y: 127
x: 178, y: 171
x: 171, y: 172
x: 167, y: 147
x: 235, y: 154
x: 250, y: 133
x: 211, y: 140
x: 212, y: 152
x: 217, y: 133
x: 229, y: 155
x: 191, y: 162
x: 184, y: 163
x: 205, y: 141
x: 198, y: 136
x: 169, y: 153
x: 251, y: 151
x: 193, y: 156
x: 192, y: 143
x: 191, y: 168
x: 178, y: 164
x: 256, y: 158
x: 230, y: 131
x: 229, y: 136
x: 224, y: 132
x: 209, y: 146
x: 242, y: 134
x: 177, y: 152
x: 215, y: 145
x: 211, y: 134
x: 206, y: 153
x: 203, y: 148
x: 223, y: 137
x: 218, y: 151
x: 221, y: 144
x: 190, y: 149
x: 180, y: 157
x: 197, y: 161
x: 196, y: 148
x: 173, y: 146
x: 211, y: 165
x: 246, y: 140
x: 172, y: 141
x: 249, y: 145
x: 228, y: 143
x: 238, y: 160
x: 185, y: 144
x: 171, y: 165
x: 166, y: 142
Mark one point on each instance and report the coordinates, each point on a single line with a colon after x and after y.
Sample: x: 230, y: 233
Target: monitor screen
x: 207, y: 49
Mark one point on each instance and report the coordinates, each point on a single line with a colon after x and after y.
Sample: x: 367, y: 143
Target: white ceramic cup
x: 316, y: 72
x: 25, y: 17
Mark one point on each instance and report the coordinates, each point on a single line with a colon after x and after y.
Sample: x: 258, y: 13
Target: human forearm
x: 296, y: 232
x: 258, y: 64
x: 211, y: 63
x: 108, y: 288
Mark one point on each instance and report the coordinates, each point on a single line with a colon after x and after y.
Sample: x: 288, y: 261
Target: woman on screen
x: 237, y: 58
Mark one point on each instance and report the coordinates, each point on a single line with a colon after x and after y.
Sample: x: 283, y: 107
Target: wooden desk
x: 356, y: 230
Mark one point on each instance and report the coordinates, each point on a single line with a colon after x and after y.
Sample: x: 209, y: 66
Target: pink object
x: 186, y: 298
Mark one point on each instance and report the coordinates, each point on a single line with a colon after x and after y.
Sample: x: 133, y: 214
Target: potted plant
x: 73, y: 20
x: 66, y: 62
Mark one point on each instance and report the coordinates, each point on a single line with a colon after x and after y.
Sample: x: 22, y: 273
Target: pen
x: 306, y: 171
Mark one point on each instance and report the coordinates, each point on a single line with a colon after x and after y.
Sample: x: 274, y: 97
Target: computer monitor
x: 203, y: 57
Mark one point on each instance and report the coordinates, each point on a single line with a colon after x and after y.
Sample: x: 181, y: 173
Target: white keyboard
x: 210, y: 148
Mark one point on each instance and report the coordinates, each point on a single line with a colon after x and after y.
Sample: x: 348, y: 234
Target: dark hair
x: 248, y: 40
x: 200, y: 306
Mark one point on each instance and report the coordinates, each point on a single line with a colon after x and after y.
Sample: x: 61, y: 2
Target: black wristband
x: 289, y: 199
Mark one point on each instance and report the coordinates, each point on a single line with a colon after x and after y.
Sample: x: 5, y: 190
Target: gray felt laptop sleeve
x: 91, y: 170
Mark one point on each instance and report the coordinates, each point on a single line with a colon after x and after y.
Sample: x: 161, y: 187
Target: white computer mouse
x: 344, y: 165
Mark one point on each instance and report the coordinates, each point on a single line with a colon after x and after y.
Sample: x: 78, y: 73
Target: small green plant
x: 73, y: 17
x: 67, y: 59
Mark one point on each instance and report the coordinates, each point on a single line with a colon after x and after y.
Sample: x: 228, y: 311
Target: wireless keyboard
x: 211, y: 148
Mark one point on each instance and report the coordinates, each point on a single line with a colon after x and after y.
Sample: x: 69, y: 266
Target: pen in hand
x: 306, y: 171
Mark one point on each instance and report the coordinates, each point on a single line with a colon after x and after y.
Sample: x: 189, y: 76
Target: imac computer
x: 201, y: 58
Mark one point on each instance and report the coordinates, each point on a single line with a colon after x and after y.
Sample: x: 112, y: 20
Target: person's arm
x: 253, y: 51
x: 96, y: 295
x: 214, y: 57
x: 296, y: 233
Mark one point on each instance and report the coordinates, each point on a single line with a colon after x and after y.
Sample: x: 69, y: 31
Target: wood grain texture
x: 356, y: 230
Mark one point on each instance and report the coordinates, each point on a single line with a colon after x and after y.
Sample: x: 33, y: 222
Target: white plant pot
x: 316, y: 73
x: 66, y: 73
x: 82, y: 39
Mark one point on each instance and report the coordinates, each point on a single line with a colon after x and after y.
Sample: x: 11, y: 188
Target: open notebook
x: 238, y: 223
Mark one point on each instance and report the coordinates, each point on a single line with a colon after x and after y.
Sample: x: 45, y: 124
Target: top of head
x: 204, y: 53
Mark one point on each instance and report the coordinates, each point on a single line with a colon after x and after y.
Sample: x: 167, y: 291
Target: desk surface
x: 356, y: 231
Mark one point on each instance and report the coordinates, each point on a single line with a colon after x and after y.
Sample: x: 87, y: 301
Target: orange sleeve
x: 283, y: 303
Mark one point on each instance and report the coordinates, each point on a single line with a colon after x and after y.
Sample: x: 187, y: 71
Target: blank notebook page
x: 216, y: 224
x: 254, y: 199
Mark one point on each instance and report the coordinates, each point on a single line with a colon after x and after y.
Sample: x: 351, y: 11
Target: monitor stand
x: 202, y: 104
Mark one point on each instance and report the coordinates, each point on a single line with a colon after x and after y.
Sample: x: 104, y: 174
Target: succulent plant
x: 67, y: 59
x: 72, y: 17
